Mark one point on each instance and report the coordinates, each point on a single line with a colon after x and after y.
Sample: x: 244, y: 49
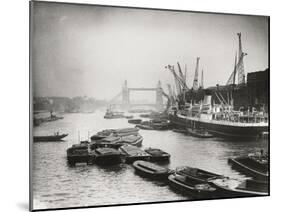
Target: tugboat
x: 151, y: 170
x: 254, y: 165
x: 133, y: 153
x: 157, y: 154
x: 53, y: 117
x: 113, y: 115
x: 55, y: 137
x: 107, y: 156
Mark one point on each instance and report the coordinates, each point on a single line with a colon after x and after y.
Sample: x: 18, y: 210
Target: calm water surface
x: 57, y: 185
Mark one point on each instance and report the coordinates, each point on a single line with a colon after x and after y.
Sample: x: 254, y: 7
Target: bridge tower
x: 125, y: 95
x: 159, y: 97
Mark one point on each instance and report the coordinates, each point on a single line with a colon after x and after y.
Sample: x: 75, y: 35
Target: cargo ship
x: 222, y: 116
x: 221, y: 120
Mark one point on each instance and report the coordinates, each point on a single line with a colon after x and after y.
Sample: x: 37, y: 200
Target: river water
x: 56, y: 185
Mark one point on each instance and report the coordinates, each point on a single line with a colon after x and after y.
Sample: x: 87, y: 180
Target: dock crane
x: 239, y: 66
x: 241, y: 71
x: 182, y: 77
x: 171, y: 95
x: 177, y: 79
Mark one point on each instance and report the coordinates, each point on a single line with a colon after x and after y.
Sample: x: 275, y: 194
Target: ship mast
x: 202, y: 79
x: 195, y: 81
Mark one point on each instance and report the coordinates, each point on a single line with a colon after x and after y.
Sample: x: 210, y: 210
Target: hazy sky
x: 91, y: 50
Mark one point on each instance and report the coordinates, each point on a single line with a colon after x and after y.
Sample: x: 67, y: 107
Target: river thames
x: 57, y: 185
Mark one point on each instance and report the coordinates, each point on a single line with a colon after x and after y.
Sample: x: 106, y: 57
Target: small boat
x: 134, y: 140
x: 79, y: 153
x: 161, y: 126
x: 197, y: 175
x: 107, y: 156
x: 253, y: 165
x: 53, y: 118
x: 157, y: 154
x: 146, y: 115
x: 129, y: 117
x: 133, y: 153
x: 55, y: 137
x: 199, y: 133
x: 113, y: 114
x: 179, y: 130
x: 196, y: 190
x: 134, y: 121
x: 151, y: 170
x: 144, y: 127
x: 154, y: 125
x: 227, y: 187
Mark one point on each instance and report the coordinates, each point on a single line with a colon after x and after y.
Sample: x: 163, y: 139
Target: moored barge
x: 107, y: 156
x: 255, y: 166
x: 133, y: 153
x: 151, y: 170
x: 196, y: 190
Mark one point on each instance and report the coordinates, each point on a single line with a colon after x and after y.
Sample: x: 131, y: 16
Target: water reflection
x: 56, y: 184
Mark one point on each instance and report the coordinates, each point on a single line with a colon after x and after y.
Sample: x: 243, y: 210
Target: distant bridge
x: 126, y: 92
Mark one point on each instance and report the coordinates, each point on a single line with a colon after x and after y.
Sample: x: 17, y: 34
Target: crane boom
x: 182, y: 77
x: 241, y: 71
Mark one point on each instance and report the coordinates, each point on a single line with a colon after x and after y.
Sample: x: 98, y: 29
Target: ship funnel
x: 207, y: 99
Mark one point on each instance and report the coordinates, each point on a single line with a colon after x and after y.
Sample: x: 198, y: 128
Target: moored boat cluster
x: 113, y: 146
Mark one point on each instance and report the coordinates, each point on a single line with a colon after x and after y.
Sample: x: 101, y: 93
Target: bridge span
x: 126, y: 93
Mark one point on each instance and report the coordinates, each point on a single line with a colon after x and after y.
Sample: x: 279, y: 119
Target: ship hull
x: 221, y: 129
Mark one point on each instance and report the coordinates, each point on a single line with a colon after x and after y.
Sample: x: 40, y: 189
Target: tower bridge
x: 127, y: 92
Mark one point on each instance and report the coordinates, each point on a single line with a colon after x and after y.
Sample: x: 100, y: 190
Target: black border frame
x: 31, y: 104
